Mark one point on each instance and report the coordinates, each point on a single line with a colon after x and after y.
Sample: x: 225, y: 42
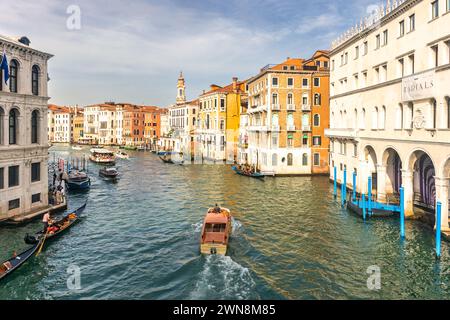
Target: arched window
x: 35, y: 80
x: 362, y: 120
x: 399, y: 117
x: 305, y: 99
x: 382, y: 121
x: 305, y: 159
x: 332, y: 121
x: 355, y: 119
x: 275, y: 99
x: 375, y: 118
x: 193, y: 121
x: 275, y: 120
x: 290, y: 160
x: 13, y: 74
x: 290, y: 99
x: 274, y: 160
x: 13, y: 126
x: 317, y: 99
x: 290, y: 120
x: 35, y: 126
x: 316, y: 120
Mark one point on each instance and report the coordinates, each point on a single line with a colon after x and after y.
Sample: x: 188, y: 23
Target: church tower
x: 181, y: 93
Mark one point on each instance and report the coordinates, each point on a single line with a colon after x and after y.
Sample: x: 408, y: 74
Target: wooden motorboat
x: 216, y: 231
x: 12, y: 264
x: 77, y: 148
x: 102, y: 156
x: 251, y: 174
x: 122, y: 155
x: 78, y: 180
x: 109, y: 173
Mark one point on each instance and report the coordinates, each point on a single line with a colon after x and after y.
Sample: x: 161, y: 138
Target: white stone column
x: 442, y: 196
x: 407, y: 183
x: 381, y: 183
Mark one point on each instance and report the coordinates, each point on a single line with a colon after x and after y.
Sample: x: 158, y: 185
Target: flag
x: 4, y: 67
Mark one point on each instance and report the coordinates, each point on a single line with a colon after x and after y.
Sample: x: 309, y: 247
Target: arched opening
x: 424, y: 187
x: 375, y: 118
x: 13, y: 126
x: 275, y: 99
x: 274, y: 160
x: 362, y: 120
x: 13, y: 75
x: 305, y: 159
x: 290, y: 99
x: 370, y: 157
x: 35, y: 126
x: 399, y: 116
x: 316, y: 120
x: 393, y: 164
x: 382, y: 121
x: 35, y: 80
x: 317, y: 99
x: 290, y: 159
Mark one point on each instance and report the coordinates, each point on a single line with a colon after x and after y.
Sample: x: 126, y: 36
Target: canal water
x: 139, y: 239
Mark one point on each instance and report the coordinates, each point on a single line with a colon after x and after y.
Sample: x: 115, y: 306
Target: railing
x: 290, y: 128
x: 306, y: 128
x: 275, y: 128
x: 275, y: 107
x: 306, y: 107
x: 291, y: 107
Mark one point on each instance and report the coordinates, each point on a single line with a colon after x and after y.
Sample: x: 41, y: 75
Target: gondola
x: 166, y: 159
x: 8, y: 266
x: 257, y: 175
x: 58, y: 226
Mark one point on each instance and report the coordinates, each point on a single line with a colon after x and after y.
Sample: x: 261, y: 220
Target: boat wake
x: 197, y: 227
x: 237, y: 226
x: 223, y: 279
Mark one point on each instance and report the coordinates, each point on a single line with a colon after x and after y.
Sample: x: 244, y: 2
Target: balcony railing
x: 290, y: 128
x: 275, y: 128
x: 275, y: 107
x: 306, y: 107
x: 306, y: 128
x: 291, y: 107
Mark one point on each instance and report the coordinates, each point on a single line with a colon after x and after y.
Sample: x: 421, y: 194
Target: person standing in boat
x: 217, y: 209
x: 46, y: 221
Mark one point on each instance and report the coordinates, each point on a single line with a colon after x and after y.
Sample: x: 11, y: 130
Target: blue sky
x: 132, y: 51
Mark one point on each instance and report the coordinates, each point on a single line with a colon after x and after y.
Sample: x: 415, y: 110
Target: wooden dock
x: 33, y: 215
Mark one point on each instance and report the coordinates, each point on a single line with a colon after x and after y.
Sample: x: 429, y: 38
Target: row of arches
x: 14, y: 127
x: 15, y: 74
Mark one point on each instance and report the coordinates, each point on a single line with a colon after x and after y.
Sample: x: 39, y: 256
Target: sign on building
x: 418, y: 87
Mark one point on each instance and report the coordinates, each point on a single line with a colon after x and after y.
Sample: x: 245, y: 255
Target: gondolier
x: 46, y: 221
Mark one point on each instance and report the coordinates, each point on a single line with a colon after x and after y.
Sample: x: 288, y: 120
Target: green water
x: 139, y: 239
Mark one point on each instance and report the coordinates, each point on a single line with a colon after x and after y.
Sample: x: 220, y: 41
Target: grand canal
x: 139, y: 239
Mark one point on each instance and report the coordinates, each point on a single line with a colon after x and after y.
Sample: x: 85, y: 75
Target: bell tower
x: 181, y: 93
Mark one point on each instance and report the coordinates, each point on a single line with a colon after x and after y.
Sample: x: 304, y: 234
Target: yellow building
x: 77, y: 131
x: 218, y: 121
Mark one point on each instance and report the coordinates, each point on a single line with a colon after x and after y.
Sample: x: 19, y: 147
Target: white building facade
x: 23, y: 130
x: 390, y: 105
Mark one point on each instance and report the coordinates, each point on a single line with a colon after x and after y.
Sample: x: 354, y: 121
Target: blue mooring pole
x: 369, y: 197
x: 402, y: 212
x: 345, y: 186
x: 438, y: 229
x: 335, y: 183
x: 354, y: 186
x: 363, y: 204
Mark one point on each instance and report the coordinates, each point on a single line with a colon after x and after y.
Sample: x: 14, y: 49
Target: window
x: 290, y: 82
x: 377, y: 75
x: 305, y: 159
x: 316, y: 121
x: 318, y: 64
x: 285, y: 67
x: 305, y: 83
x: 448, y: 5
x: 13, y: 176
x: 275, y: 140
x: 399, y: 117
x: 2, y: 178
x: 365, y: 48
x: 222, y: 104
x: 346, y: 57
x: 13, y: 125
x: 290, y: 99
x: 401, y: 63
x: 433, y: 114
x: 36, y: 198
x: 290, y: 141
x: 385, y: 37
x: 14, y: 204
x: 412, y: 23
x: 317, y: 99
x: 275, y: 82
x: 355, y: 150
x: 35, y: 80
x: 333, y: 63
x: 35, y: 172
x: 435, y: 56
x: 316, y: 82
x: 274, y: 160
x: 222, y: 124
x: 305, y: 140
x: 401, y: 28
x: 325, y: 64
x: 34, y: 126
x: 434, y: 9
x: 275, y: 99
x: 356, y: 52
x: 317, y: 141
x: 305, y: 99
x: 290, y: 160
x: 411, y: 64
x: 378, y: 42
x: 13, y: 69
x: 316, y: 159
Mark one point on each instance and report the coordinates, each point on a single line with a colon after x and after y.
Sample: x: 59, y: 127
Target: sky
x: 133, y: 51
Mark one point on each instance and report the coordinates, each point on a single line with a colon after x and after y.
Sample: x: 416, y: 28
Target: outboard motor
x: 30, y: 239
x: 213, y: 251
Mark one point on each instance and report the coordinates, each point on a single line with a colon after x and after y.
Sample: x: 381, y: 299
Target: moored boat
x: 216, y: 231
x: 78, y: 180
x: 76, y: 148
x: 102, y: 156
x: 12, y: 264
x: 247, y: 173
x: 109, y: 173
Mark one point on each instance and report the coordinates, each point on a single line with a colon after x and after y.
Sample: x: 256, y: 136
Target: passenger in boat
x: 46, y: 221
x: 54, y: 177
x: 217, y: 209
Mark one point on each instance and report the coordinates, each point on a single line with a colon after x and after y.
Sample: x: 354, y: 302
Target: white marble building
x: 23, y: 129
x: 390, y: 104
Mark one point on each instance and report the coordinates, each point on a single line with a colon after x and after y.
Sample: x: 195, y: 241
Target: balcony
x: 275, y: 107
x: 275, y: 128
x: 291, y: 107
x: 306, y: 128
x: 306, y: 107
x: 290, y: 128
x: 342, y: 133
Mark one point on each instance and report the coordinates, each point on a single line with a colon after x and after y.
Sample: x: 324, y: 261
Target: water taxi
x: 109, y: 173
x: 77, y: 148
x: 216, y: 231
x: 122, y: 155
x: 102, y: 156
x: 78, y: 180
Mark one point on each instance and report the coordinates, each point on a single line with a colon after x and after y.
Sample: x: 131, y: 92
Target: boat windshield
x: 215, y: 227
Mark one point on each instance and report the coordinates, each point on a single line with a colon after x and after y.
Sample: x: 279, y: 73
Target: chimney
x: 235, y: 86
